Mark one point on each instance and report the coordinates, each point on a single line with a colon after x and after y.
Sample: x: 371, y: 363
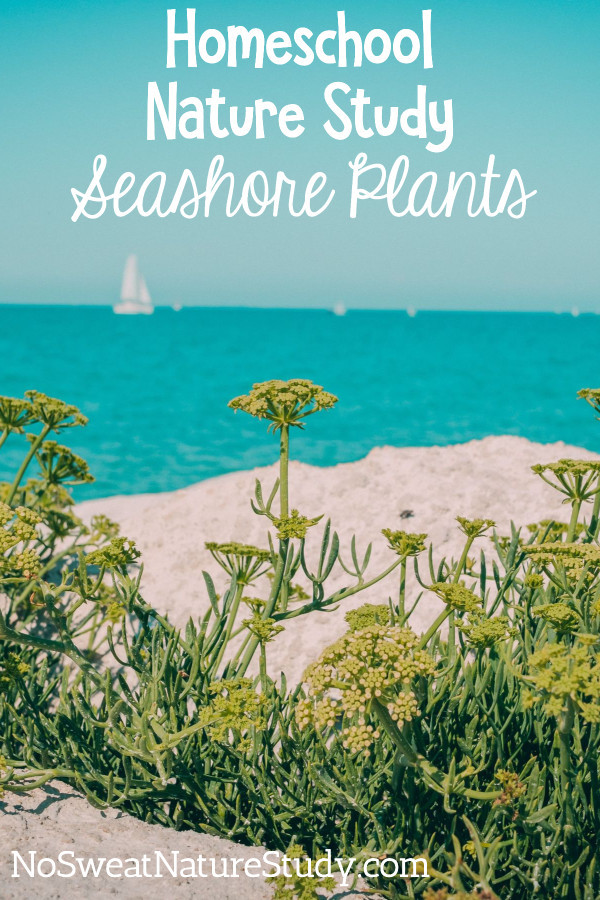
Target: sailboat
x: 135, y: 297
x: 339, y: 309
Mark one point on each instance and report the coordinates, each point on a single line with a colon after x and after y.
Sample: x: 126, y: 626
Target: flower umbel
x: 242, y: 561
x: 403, y: 543
x: 474, y: 528
x: 235, y: 707
x: 264, y: 629
x: 482, y: 632
x: 368, y: 614
x: 592, y: 396
x: 376, y: 663
x: 53, y: 412
x: 284, y: 402
x: 559, y: 672
x: 294, y: 525
x: 577, y: 479
x: 15, y: 414
x: 118, y: 553
x: 559, y: 615
x: 456, y: 596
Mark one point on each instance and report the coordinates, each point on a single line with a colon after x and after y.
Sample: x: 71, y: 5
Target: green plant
x: 474, y: 745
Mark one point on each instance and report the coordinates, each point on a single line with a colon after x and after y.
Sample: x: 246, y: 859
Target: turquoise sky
x: 524, y: 81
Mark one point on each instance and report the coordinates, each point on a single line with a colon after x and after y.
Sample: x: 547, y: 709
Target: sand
x: 490, y: 478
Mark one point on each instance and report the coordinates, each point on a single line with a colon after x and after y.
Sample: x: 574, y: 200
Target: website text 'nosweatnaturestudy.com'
x: 173, y: 864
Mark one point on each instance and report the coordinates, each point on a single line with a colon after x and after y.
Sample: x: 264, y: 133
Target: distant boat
x: 411, y: 311
x: 339, y: 309
x: 135, y: 297
x: 575, y: 311
x: 177, y: 307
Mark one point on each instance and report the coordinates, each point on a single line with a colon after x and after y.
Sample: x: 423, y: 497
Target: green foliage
x: 474, y: 745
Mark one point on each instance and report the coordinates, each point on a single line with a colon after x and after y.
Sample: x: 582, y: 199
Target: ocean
x: 156, y: 388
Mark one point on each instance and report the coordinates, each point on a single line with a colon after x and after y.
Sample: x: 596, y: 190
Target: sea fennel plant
x: 473, y: 745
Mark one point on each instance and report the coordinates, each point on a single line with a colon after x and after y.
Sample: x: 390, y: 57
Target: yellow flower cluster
x: 104, y: 527
x: 20, y: 530
x: 482, y: 632
x: 474, y: 528
x: 12, y: 668
x: 359, y: 738
x: 235, y: 706
x: 28, y: 563
x: 533, y: 580
x: 592, y: 396
x: 368, y: 614
x: 403, y: 543
x: 294, y: 525
x: 572, y: 557
x: 264, y: 629
x: 53, y: 412
x: 554, y: 531
x: 574, y: 467
x: 60, y: 464
x: 15, y: 414
x: 403, y: 707
x: 374, y: 663
x: 244, y: 562
x: 456, y: 596
x: 559, y: 615
x: 6, y: 514
x: 577, y: 479
x: 28, y: 515
x: 512, y: 788
x: 284, y: 402
x: 119, y: 552
x: 559, y: 672
x: 242, y: 551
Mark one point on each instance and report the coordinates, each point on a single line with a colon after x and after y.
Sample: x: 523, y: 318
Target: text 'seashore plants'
x: 473, y: 746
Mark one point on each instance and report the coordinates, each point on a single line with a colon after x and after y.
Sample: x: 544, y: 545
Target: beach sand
x: 489, y: 478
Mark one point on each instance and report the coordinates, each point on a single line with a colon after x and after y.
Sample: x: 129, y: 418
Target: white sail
x: 135, y: 296
x: 131, y: 279
x: 144, y: 293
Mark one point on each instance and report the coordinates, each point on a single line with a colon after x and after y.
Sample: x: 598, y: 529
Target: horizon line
x: 411, y: 310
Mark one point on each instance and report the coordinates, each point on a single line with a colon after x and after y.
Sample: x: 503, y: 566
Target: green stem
x: 463, y: 560
x: 268, y: 611
x: 231, y: 617
x: 50, y: 646
x: 564, y: 735
x: 336, y: 598
x: 4, y: 435
x: 263, y: 668
x: 452, y: 615
x: 434, y: 627
x: 573, y: 522
x: 433, y: 776
x: 402, y: 592
x: 594, y: 526
x: 278, y: 586
x: 452, y: 636
x: 284, y: 459
x: 25, y: 464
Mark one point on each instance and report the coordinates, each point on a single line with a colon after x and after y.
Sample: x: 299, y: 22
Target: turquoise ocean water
x: 156, y: 388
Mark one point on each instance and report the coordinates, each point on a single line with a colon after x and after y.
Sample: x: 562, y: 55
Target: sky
x: 523, y: 78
